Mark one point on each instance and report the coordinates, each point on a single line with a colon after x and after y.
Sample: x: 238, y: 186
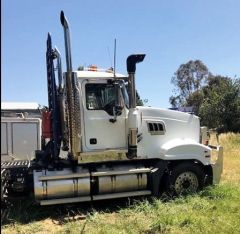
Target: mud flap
x: 156, y: 176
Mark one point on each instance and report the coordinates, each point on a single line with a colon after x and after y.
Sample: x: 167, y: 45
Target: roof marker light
x: 92, y: 68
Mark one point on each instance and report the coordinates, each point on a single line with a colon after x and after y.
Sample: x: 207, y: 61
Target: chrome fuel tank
x: 120, y: 179
x: 101, y: 182
x: 61, y: 184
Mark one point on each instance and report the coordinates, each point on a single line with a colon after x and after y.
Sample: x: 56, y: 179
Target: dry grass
x: 214, y: 210
x: 231, y: 144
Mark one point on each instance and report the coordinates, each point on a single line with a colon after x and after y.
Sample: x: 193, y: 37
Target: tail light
x: 46, y: 124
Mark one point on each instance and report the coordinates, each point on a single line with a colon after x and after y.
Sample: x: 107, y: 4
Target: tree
x: 140, y: 102
x: 188, y: 81
x: 216, y: 99
x: 221, y: 105
x: 195, y: 100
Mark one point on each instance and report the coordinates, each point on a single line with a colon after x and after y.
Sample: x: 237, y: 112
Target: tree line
x: 214, y: 98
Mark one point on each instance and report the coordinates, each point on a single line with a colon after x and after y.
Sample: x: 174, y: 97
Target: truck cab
x: 161, y: 133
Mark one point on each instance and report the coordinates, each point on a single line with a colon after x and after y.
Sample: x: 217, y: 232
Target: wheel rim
x: 186, y: 182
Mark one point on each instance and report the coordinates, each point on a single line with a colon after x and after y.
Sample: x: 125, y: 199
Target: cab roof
x: 20, y: 106
x: 98, y: 74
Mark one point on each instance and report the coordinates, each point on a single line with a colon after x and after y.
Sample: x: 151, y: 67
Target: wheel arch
x: 174, y: 163
x: 186, y: 150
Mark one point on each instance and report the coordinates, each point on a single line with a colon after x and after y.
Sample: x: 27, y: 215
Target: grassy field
x: 214, y: 210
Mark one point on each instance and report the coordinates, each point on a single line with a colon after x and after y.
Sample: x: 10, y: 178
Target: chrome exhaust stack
x: 62, y: 101
x: 67, y: 41
x: 132, y: 60
x: 73, y: 96
x: 59, y: 67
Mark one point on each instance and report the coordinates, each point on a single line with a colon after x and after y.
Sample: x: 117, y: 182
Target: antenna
x: 114, y: 60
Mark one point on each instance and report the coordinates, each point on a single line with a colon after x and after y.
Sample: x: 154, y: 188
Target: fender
x: 185, y: 149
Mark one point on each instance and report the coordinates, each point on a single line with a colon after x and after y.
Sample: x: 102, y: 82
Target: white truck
x: 115, y: 148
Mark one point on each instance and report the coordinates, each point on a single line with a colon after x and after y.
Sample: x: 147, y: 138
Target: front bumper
x: 217, y: 166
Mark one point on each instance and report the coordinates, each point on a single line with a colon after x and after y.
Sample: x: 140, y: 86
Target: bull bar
x: 217, y: 166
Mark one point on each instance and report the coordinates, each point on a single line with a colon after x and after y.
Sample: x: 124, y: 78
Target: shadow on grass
x: 26, y: 210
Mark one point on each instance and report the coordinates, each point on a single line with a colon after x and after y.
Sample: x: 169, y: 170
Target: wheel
x: 185, y: 178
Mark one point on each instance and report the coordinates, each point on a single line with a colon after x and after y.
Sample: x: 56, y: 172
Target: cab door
x: 102, y: 131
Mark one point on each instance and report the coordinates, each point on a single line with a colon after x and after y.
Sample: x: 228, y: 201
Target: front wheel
x: 185, y: 178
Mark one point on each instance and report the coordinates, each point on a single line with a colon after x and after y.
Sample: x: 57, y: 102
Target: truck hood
x: 159, y: 113
x: 177, y: 124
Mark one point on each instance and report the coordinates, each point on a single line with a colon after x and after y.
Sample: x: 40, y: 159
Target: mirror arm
x: 114, y: 119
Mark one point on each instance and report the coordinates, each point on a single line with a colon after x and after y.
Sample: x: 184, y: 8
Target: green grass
x: 216, y: 209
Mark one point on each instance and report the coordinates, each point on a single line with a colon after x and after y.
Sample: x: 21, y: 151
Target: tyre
x: 185, y: 178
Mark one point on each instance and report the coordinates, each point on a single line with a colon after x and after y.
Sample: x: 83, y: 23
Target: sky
x: 170, y: 33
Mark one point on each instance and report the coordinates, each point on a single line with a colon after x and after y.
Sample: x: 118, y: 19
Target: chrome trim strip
x: 125, y: 194
x: 132, y: 171
x: 64, y: 200
x: 103, y: 152
x: 60, y: 177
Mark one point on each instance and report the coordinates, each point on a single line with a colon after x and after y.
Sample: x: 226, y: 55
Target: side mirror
x: 117, y: 110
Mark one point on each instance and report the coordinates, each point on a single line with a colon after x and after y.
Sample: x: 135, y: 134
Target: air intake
x: 156, y: 128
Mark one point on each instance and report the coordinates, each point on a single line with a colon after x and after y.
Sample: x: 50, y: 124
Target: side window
x: 100, y: 97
